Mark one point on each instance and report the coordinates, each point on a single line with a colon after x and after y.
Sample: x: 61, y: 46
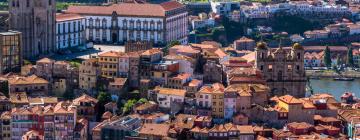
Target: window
x: 298, y: 55
x: 289, y: 67
x: 138, y: 35
x: 50, y: 2
x: 97, y: 22
x: 91, y: 35
x: 138, y: 24
x: 270, y: 67
x: 104, y: 23
x: 27, y: 3
x: 297, y: 67
x: 91, y: 22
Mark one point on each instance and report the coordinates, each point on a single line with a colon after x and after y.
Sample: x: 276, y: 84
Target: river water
x: 336, y: 88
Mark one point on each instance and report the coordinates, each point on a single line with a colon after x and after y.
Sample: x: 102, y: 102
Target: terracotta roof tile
x: 84, y: 98
x: 171, y: 5
x: 33, y: 79
x: 170, y: 91
x: 301, y: 125
x: 154, y: 129
x: 126, y: 9
x: 45, y: 60
x: 290, y: 99
x: 19, y: 98
x: 67, y: 17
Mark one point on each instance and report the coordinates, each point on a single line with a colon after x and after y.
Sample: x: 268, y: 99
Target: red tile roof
x: 171, y: 5
x: 127, y: 9
x: 67, y: 17
x: 290, y: 99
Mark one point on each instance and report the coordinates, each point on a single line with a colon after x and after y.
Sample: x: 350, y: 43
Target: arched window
x: 104, y: 23
x: 159, y: 25
x: 91, y: 22
x: 138, y: 24
x: 298, y: 56
x: 145, y: 24
x: 97, y: 22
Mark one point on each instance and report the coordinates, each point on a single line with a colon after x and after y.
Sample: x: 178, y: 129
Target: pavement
x: 86, y: 54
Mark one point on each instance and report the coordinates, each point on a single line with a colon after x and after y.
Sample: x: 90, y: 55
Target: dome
x: 261, y: 45
x: 298, y: 46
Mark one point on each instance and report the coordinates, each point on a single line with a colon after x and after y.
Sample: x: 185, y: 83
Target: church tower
x: 261, y: 54
x: 36, y: 20
x: 283, y: 69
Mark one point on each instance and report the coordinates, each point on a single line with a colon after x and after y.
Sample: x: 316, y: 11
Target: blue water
x: 336, y: 88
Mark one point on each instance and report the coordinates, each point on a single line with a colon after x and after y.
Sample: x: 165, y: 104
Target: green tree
x: 4, y: 87
x: 103, y: 98
x: 327, y: 57
x: 128, y: 106
x: 338, y: 60
x: 165, y: 50
x: 69, y: 95
x: 142, y: 100
x: 350, y: 57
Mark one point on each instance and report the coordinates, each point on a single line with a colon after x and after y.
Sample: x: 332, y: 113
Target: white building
x: 316, y: 34
x: 118, y: 23
x: 70, y: 30
x: 186, y: 64
x: 259, y: 11
x: 168, y: 96
x: 201, y: 23
x: 123, y: 68
x: 224, y: 8
x: 321, y: 10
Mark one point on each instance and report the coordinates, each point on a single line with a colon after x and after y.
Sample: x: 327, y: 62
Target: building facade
x: 283, y: 70
x: 36, y: 20
x: 11, y: 47
x: 52, y: 122
x: 89, y: 71
x: 70, y: 31
x: 119, y: 23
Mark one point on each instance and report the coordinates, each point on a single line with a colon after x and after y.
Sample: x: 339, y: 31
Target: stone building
x: 89, y: 71
x: 283, y: 70
x: 133, y: 46
x: 10, y: 52
x: 36, y: 20
x: 44, y: 68
x: 212, y: 72
x: 134, y: 62
x: 244, y: 43
x: 32, y: 85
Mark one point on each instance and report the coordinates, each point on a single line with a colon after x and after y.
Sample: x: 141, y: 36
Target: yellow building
x: 218, y: 100
x: 109, y: 62
x: 294, y: 110
x: 211, y: 97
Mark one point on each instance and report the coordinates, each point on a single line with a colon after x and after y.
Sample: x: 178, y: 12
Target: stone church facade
x: 36, y: 20
x: 283, y: 69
